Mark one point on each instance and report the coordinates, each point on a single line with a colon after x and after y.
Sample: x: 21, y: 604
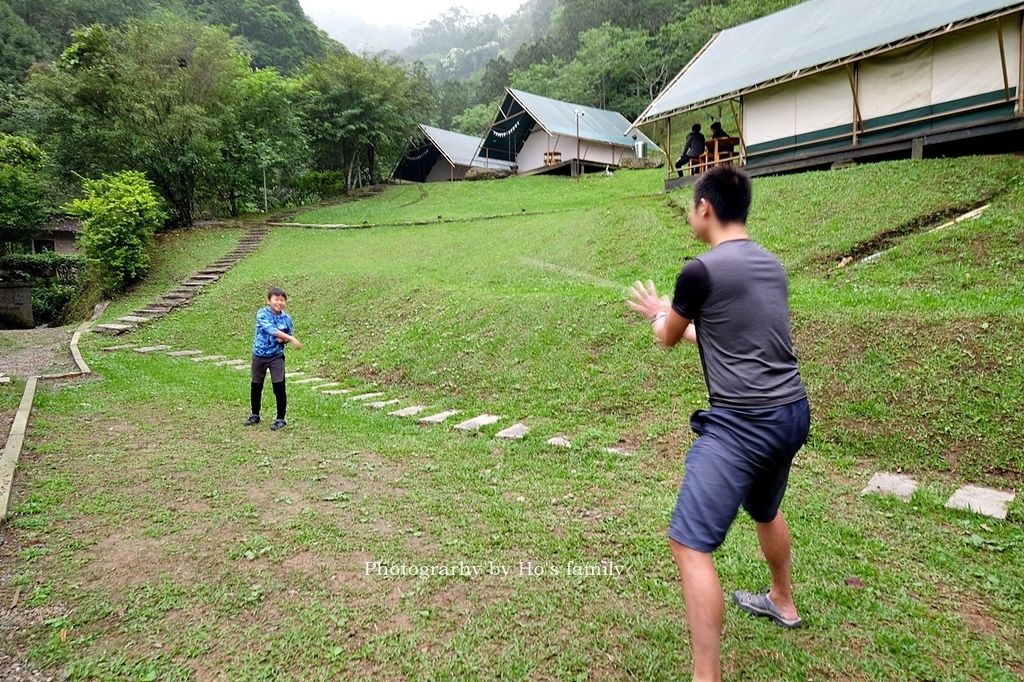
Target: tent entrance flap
x: 508, y: 133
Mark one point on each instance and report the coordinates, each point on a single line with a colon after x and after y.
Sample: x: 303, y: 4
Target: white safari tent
x: 438, y: 155
x: 540, y: 135
x: 831, y: 80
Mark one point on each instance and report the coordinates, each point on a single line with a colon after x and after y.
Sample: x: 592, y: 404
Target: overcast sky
x: 409, y: 12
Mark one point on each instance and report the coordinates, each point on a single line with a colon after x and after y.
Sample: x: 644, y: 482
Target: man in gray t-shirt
x: 732, y: 301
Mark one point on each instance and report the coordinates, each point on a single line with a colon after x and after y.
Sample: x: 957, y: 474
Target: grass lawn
x: 155, y: 538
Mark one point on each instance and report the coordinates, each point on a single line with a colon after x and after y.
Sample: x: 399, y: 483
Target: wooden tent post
x: 1002, y: 59
x: 853, y: 72
x: 738, y: 115
x: 1020, y: 72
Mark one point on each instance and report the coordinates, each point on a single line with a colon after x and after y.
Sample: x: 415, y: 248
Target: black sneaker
x: 252, y: 420
x: 278, y: 424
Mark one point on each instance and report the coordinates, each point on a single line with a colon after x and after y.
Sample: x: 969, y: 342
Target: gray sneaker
x: 252, y: 420
x: 758, y: 604
x: 278, y: 424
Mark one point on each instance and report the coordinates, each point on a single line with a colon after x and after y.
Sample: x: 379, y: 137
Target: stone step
x: 5, y: 380
x: 410, y: 411
x: 151, y: 313
x: 209, y: 358
x: 177, y: 296
x: 987, y: 501
x: 559, y: 442
x: 439, y: 417
x: 338, y: 391
x: 289, y: 375
x: 331, y: 384
x: 246, y: 366
x: 366, y: 396
x: 514, y: 432
x: 112, y: 328
x: 133, y: 319
x: 232, y: 363
x: 381, y: 404
x: 184, y: 353
x: 192, y: 284
x: 205, y: 278
x: 122, y: 346
x: 477, y: 422
x: 310, y: 380
x: 152, y: 349
x: 897, y: 485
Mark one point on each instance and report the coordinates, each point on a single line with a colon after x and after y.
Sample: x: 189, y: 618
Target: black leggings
x: 256, y: 397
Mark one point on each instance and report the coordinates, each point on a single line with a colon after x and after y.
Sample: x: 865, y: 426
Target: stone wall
x: 16, y: 305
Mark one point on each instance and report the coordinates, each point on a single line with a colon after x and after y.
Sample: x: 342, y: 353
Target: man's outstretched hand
x: 644, y: 300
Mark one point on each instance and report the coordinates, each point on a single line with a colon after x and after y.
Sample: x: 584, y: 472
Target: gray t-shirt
x: 737, y: 295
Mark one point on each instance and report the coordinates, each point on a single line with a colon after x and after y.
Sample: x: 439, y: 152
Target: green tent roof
x: 807, y: 36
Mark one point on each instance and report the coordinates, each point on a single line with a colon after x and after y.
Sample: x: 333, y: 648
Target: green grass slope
x: 156, y: 538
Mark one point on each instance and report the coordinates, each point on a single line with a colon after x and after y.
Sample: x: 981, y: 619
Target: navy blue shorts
x: 741, y: 458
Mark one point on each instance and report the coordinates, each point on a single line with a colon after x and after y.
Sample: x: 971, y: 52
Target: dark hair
x: 275, y: 291
x: 716, y: 126
x: 728, y: 190
x: 695, y: 128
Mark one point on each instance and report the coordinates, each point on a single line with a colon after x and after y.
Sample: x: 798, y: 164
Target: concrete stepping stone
x: 151, y: 349
x: 310, y: 380
x: 987, y: 501
x: 5, y: 380
x: 619, y: 451
x: 152, y: 312
x: 133, y: 319
x: 244, y: 366
x: 559, y: 442
x: 327, y: 385
x: 207, y: 278
x: 514, y: 432
x: 381, y: 404
x: 113, y: 328
x: 338, y: 391
x: 439, y: 417
x: 410, y: 411
x: 184, y: 353
x: 209, y: 358
x: 477, y: 422
x: 123, y: 346
x: 232, y: 363
x: 289, y: 375
x: 898, y: 485
x: 366, y: 396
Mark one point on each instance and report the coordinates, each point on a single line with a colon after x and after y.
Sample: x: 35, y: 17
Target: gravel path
x: 24, y: 352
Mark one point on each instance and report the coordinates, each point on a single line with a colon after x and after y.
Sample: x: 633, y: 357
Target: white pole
x: 264, y: 188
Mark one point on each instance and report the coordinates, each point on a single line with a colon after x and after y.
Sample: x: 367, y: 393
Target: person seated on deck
x: 725, y: 150
x: 694, y: 147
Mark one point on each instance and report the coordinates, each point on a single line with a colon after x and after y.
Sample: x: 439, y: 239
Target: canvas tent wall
x: 828, y: 76
x: 532, y: 131
x: 439, y: 155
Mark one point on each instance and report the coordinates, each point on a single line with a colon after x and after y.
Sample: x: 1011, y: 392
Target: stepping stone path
x: 310, y: 380
x: 618, y: 451
x: 289, y: 375
x: 366, y: 396
x: 897, y: 485
x: 244, y: 366
x: 328, y: 385
x: 4, y: 379
x: 184, y: 353
x: 410, y: 411
x: 233, y: 363
x: 340, y: 391
x: 987, y: 501
x: 475, y: 423
x: 209, y: 358
x: 559, y: 442
x: 381, y: 404
x: 439, y: 417
x: 514, y: 432
x: 189, y: 287
x: 151, y: 349
x: 123, y: 346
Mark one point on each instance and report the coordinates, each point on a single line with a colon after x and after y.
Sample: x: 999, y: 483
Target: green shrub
x: 65, y: 268
x: 120, y: 214
x: 319, y: 185
x: 50, y: 301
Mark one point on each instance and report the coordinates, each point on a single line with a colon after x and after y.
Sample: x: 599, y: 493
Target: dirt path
x: 24, y: 352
